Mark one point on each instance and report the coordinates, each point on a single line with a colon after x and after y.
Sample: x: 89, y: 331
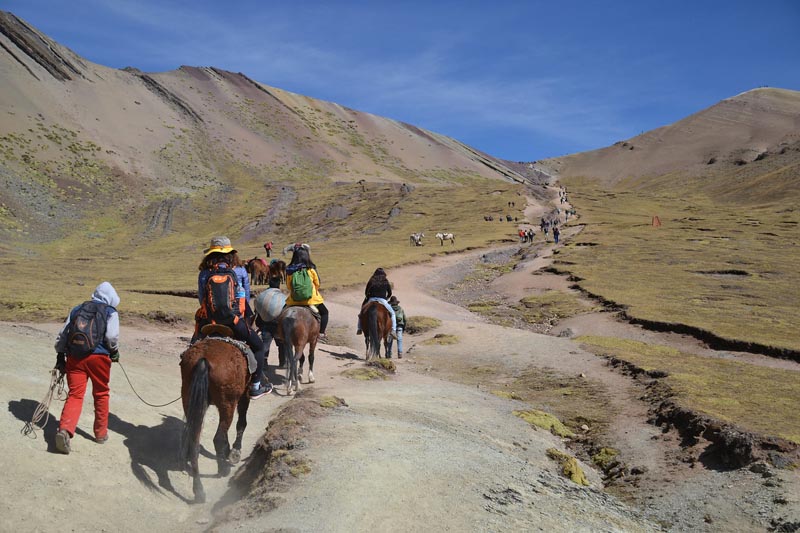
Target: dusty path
x: 411, y: 453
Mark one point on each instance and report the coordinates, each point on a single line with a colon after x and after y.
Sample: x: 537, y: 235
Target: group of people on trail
x: 526, y: 235
x: 88, y: 342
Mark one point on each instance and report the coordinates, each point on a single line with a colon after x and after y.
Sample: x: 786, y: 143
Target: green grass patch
x: 550, y: 306
x: 364, y: 374
x: 569, y: 466
x: 416, y: 325
x: 546, y: 421
x: 756, y: 398
x: 605, y: 457
x: 441, y: 339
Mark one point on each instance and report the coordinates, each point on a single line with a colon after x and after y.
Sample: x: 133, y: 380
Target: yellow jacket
x: 315, y: 299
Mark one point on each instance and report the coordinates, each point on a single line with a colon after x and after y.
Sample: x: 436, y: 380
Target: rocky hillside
x: 149, y: 150
x: 743, y: 149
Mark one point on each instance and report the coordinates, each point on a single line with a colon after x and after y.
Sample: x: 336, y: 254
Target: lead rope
x: 137, y: 394
x: 56, y: 390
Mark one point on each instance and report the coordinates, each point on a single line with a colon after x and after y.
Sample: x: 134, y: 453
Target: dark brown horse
x: 257, y: 269
x: 213, y: 372
x: 277, y: 269
x: 376, y: 323
x: 297, y: 327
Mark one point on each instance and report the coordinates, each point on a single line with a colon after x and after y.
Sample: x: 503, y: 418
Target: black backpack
x: 87, y: 328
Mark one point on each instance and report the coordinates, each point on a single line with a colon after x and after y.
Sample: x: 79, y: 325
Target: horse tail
x: 196, y: 410
x: 374, y: 337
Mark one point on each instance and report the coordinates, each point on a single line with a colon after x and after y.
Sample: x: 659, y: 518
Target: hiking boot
x: 62, y: 441
x: 358, y: 332
x: 101, y: 440
x: 261, y: 390
x: 399, y: 355
x: 323, y: 338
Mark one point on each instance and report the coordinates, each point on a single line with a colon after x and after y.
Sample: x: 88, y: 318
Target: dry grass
x: 756, y: 398
x: 723, y: 268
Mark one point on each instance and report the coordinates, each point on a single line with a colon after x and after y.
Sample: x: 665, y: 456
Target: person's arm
x: 61, y: 339
x: 112, y: 332
x: 314, y: 278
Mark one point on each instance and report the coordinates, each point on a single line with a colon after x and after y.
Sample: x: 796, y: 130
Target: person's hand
x: 114, y: 357
x: 61, y: 362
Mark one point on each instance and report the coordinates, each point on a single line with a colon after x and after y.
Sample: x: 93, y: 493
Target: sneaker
x: 101, y: 440
x: 358, y: 332
x: 399, y: 355
x: 323, y: 338
x: 256, y: 393
x: 62, y: 441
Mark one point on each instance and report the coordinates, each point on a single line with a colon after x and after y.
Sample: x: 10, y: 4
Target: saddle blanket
x: 243, y: 347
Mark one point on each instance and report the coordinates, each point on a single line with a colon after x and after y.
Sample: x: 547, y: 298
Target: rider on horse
x: 218, y: 264
x: 301, y: 259
x: 379, y: 289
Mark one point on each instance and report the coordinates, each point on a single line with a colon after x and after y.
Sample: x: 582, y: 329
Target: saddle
x: 315, y: 312
x: 216, y: 330
x: 242, y: 346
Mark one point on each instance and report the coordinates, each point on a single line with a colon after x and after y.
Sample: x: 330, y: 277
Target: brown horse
x: 257, y: 269
x: 297, y: 327
x: 277, y: 269
x: 213, y: 372
x: 376, y: 323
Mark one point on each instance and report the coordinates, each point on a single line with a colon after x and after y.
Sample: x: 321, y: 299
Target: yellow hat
x: 220, y: 245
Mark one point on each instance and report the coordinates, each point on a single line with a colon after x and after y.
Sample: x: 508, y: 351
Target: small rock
x: 582, y: 375
x: 565, y: 333
x: 584, y: 427
x: 759, y: 468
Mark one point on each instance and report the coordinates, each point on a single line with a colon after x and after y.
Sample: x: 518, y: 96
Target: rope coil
x: 56, y: 390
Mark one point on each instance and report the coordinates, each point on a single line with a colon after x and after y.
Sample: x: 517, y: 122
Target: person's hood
x: 106, y: 294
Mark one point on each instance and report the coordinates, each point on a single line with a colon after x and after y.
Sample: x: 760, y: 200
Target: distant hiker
x: 522, y: 235
x: 379, y: 289
x: 243, y: 294
x: 269, y: 304
x: 556, y: 234
x: 85, y: 347
x: 400, y: 317
x: 223, y: 302
x: 268, y: 248
x: 530, y: 234
x: 302, y: 267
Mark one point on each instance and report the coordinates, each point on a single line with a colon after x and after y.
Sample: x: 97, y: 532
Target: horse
x: 297, y: 327
x: 213, y: 372
x: 277, y: 269
x: 446, y: 237
x: 257, y: 270
x: 415, y: 239
x: 376, y: 323
x: 291, y: 247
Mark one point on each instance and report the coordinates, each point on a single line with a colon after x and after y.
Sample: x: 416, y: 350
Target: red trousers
x: 95, y: 367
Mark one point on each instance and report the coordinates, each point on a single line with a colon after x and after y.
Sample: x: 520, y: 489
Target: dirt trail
x: 411, y: 453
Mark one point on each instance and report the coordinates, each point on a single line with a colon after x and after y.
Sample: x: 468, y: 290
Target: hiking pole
x: 56, y: 390
x: 137, y: 394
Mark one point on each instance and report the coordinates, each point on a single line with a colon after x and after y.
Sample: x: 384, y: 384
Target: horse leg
x: 241, y: 424
x: 221, y: 442
x: 311, y: 348
x: 300, y: 367
x: 291, y: 365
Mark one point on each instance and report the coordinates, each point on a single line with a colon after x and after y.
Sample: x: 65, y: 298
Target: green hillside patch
x: 755, y: 398
x: 550, y: 306
x: 730, y: 270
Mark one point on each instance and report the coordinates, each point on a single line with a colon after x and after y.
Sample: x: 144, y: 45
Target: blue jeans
x: 399, y: 342
x: 388, y: 308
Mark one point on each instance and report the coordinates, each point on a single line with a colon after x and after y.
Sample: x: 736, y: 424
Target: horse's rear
x: 213, y: 372
x: 376, y: 323
x: 298, y: 327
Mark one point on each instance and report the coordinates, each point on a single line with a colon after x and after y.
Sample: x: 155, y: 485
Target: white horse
x: 416, y: 239
x: 294, y: 245
x: 446, y: 237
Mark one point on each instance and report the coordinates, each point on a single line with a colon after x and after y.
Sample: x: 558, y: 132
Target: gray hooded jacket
x: 104, y: 293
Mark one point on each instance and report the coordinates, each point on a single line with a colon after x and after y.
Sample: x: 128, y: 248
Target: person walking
x: 269, y: 304
x: 85, y: 348
x: 401, y: 325
x: 556, y: 234
x: 268, y: 248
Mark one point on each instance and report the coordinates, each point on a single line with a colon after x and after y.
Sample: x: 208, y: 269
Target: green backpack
x: 302, y: 288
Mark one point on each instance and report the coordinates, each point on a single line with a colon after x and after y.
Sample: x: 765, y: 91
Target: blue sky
x: 519, y: 80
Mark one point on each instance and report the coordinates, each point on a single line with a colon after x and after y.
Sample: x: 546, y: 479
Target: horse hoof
x: 311, y: 377
x: 234, y: 456
x: 289, y: 391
